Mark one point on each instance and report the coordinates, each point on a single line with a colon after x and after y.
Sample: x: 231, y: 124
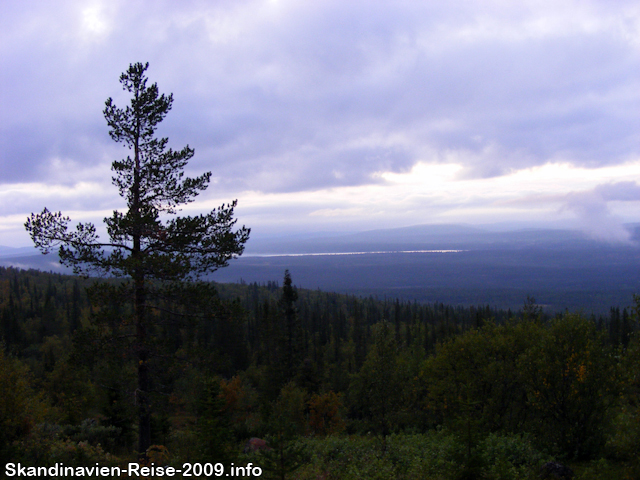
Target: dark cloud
x: 286, y: 96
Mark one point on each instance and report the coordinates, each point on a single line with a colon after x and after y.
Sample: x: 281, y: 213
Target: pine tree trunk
x: 144, y: 415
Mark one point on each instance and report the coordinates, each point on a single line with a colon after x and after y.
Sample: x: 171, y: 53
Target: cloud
x: 620, y: 191
x: 337, y: 212
x: 355, y: 105
x: 593, y: 212
x: 276, y: 96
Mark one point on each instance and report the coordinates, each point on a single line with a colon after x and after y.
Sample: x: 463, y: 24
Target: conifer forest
x: 339, y: 386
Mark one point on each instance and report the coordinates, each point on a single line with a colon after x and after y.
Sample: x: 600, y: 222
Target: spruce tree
x: 292, y: 348
x: 152, y: 248
x: 213, y: 433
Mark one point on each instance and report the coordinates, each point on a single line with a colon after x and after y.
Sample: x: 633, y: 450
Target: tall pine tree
x: 151, y: 247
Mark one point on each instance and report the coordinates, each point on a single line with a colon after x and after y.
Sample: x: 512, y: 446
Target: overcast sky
x: 335, y: 115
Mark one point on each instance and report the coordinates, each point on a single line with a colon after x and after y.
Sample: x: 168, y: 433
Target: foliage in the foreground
x: 554, y: 381
x: 21, y: 408
x: 438, y: 454
x: 339, y: 387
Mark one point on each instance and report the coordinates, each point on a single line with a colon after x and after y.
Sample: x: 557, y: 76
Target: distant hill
x: 7, y: 252
x: 589, y: 279
x: 425, y: 237
x: 560, y: 268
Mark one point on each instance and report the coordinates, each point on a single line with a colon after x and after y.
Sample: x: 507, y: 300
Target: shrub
x: 509, y: 457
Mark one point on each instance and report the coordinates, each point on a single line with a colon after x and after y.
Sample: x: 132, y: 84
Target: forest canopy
x: 480, y: 383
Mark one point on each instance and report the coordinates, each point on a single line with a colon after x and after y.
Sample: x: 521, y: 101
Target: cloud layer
x: 283, y: 97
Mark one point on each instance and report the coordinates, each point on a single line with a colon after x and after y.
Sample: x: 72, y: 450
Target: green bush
x: 92, y: 432
x: 44, y: 446
x: 435, y: 455
x: 509, y: 457
x: 348, y: 458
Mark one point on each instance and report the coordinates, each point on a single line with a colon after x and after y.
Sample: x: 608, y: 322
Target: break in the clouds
x: 282, y: 98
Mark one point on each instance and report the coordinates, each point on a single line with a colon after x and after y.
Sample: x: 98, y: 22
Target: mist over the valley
x: 453, y: 264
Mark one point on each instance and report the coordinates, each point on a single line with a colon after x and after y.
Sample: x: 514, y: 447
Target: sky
x: 331, y: 116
